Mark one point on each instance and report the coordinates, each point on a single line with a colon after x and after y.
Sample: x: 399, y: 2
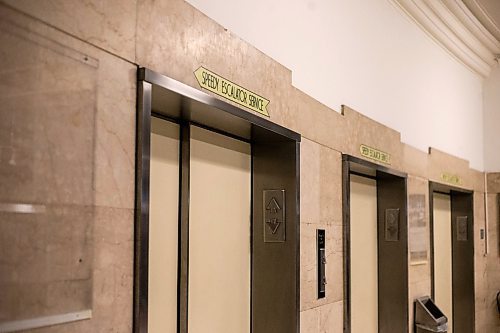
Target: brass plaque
x: 451, y: 178
x: 375, y: 154
x: 392, y: 225
x: 231, y: 91
x: 274, y: 216
x: 462, y: 228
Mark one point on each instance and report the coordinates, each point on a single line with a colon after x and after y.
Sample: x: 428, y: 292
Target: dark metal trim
x: 164, y: 117
x: 183, y: 250
x: 431, y: 236
x: 435, y: 187
x: 362, y: 175
x: 141, y: 238
x: 347, y: 161
x: 346, y: 242
x: 146, y: 79
x: 202, y: 97
x: 297, y: 238
x: 251, y: 234
x: 373, y: 166
x: 218, y: 131
x: 193, y: 123
x: 447, y: 189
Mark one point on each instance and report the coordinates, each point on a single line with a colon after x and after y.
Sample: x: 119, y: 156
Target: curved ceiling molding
x: 455, y: 27
x: 486, y: 11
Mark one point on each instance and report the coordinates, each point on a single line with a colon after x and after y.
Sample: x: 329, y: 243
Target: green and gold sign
x: 375, y: 154
x: 451, y: 178
x: 231, y: 91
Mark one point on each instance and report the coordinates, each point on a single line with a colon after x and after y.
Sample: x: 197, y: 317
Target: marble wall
x: 492, y: 280
x: 173, y: 38
x: 67, y: 128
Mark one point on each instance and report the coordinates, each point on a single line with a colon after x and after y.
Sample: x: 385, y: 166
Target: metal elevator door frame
x: 463, y: 281
x: 392, y: 253
x: 275, y: 279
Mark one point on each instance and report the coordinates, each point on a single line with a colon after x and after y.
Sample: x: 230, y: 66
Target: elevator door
x: 219, y: 234
x: 163, y: 224
x: 442, y: 234
x: 364, y: 262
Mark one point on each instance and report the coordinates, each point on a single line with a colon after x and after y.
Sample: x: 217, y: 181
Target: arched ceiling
x: 488, y: 13
x: 468, y: 29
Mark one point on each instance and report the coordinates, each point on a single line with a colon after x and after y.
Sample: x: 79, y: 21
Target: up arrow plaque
x: 274, y: 216
x: 231, y: 91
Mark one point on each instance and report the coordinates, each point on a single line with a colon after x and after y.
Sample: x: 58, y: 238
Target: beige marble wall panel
x: 202, y: 42
x: 321, y: 200
x: 321, y: 184
x: 112, y: 276
x: 46, y: 265
x: 419, y: 272
x: 107, y: 24
x: 363, y: 130
x: 493, y: 182
x: 114, y: 182
x: 309, y: 321
x: 493, y: 262
x: 328, y: 125
x: 114, y: 154
x: 111, y: 194
x: 324, y: 319
x: 477, y: 180
x: 46, y: 95
x: 480, y: 267
x: 441, y: 162
x: 415, y: 161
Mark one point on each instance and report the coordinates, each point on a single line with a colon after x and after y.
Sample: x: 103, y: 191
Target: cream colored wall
x: 173, y: 38
x: 219, y: 234
x: 163, y: 225
x: 364, y: 257
x: 443, y: 256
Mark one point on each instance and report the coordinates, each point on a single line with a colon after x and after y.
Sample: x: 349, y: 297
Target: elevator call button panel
x: 321, y: 249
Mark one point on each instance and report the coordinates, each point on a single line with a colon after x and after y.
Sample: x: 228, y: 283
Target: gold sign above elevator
x: 451, y: 178
x: 375, y: 154
x: 231, y: 91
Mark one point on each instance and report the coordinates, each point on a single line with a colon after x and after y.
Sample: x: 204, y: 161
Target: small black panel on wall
x: 321, y: 241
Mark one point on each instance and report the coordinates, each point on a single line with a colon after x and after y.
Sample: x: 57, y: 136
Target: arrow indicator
x: 274, y: 216
x: 273, y: 206
x: 273, y: 224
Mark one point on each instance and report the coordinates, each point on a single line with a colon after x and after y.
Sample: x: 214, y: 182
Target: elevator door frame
x: 360, y: 167
x: 456, y: 194
x: 275, y: 165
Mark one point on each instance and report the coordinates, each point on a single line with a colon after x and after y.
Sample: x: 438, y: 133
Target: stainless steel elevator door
x: 442, y: 235
x: 219, y: 234
x: 364, y: 260
x: 163, y: 225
